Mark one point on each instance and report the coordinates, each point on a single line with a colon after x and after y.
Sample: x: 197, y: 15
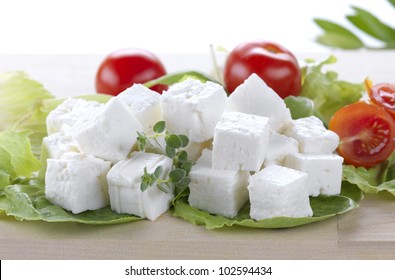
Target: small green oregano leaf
x: 182, y: 156
x: 173, y: 141
x: 177, y: 175
x: 159, y: 127
x: 184, y: 140
x: 170, y: 152
x: 158, y: 171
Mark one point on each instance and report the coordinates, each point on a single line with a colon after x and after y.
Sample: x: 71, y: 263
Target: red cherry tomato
x: 382, y: 94
x: 123, y: 68
x: 366, y: 131
x: 276, y: 65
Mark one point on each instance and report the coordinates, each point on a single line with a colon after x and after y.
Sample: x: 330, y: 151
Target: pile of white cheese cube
x: 245, y: 147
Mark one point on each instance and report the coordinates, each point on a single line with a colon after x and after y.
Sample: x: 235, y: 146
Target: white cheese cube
x: 312, y: 136
x: 109, y: 134
x: 278, y: 147
x: 77, y: 182
x: 325, y: 172
x: 69, y: 112
x: 124, y: 181
x: 193, y: 108
x: 144, y: 104
x: 221, y: 192
x: 255, y: 97
x: 279, y: 191
x: 194, y: 150
x: 240, y: 141
x: 57, y: 144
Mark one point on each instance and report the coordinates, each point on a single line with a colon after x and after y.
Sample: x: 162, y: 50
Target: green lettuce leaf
x: 20, y: 100
x: 375, y: 179
x: 324, y: 207
x: 18, y: 95
x: 327, y: 91
x: 16, y: 158
x: 5, y: 178
x: 177, y: 77
x: 26, y: 201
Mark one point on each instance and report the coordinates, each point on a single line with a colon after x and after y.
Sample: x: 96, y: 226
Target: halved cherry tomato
x: 366, y: 131
x: 382, y: 94
x: 123, y: 68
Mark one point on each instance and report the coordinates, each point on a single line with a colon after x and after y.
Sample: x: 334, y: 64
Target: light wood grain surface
x: 367, y: 232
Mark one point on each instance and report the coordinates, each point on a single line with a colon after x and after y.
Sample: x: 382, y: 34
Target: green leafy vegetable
x: 324, y: 207
x: 372, y: 26
x: 26, y: 201
x: 16, y: 157
x: 177, y: 77
x: 300, y: 106
x: 18, y: 95
x: 21, y: 99
x: 327, y: 91
x: 338, y: 36
x: 375, y: 179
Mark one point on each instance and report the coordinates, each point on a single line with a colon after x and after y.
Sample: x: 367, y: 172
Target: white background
x: 62, y: 43
x: 168, y: 26
x: 287, y: 269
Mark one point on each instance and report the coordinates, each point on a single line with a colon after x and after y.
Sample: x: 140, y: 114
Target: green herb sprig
x: 338, y: 36
x: 174, y: 149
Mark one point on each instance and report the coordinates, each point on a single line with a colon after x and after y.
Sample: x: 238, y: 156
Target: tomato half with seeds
x: 382, y: 94
x: 366, y: 131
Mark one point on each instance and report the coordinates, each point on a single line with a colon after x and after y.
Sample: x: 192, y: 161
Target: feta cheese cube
x: 55, y: 146
x: 255, y: 97
x: 325, y: 172
x: 109, y: 134
x: 144, y: 104
x: 278, y: 147
x: 278, y: 191
x: 240, y: 141
x: 124, y: 180
x: 77, y: 182
x: 69, y: 112
x: 312, y: 136
x: 221, y: 192
x: 194, y: 150
x: 193, y: 108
